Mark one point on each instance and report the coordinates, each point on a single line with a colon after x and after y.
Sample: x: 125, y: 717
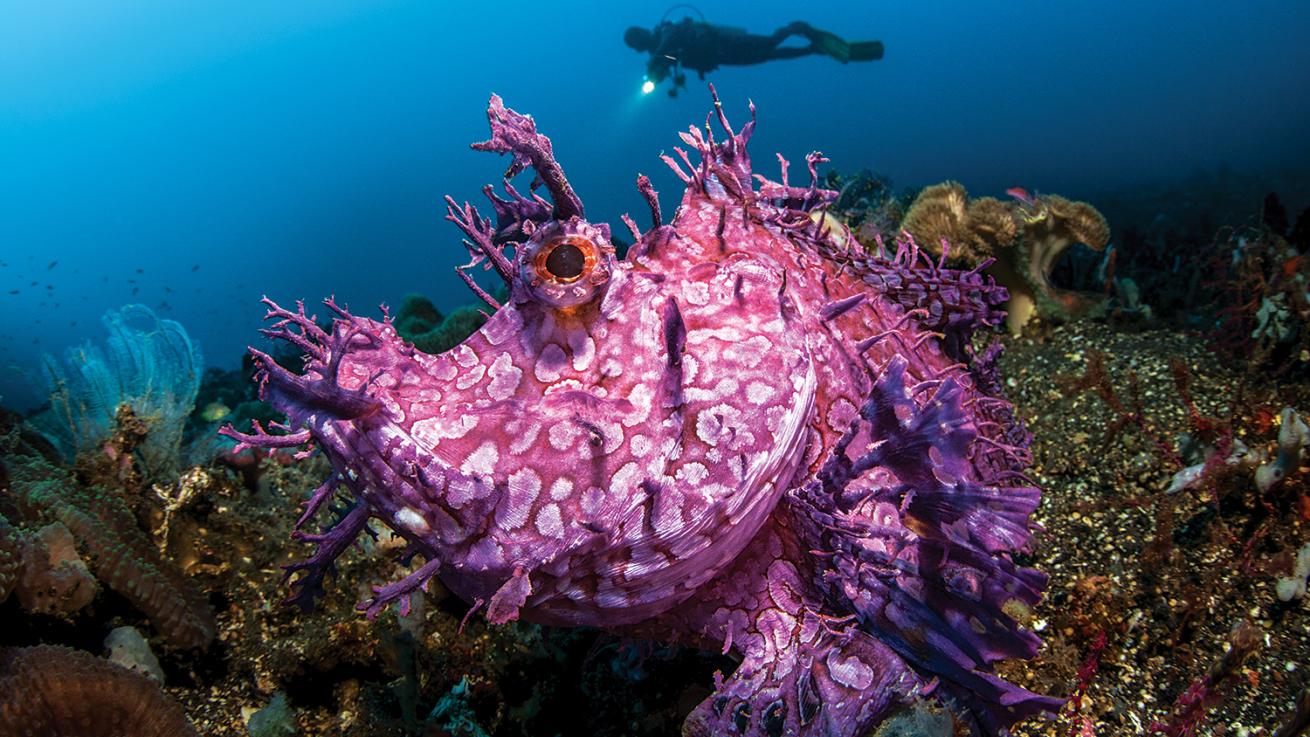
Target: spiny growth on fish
x: 748, y: 434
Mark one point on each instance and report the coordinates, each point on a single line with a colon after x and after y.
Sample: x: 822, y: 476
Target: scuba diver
x: 704, y: 47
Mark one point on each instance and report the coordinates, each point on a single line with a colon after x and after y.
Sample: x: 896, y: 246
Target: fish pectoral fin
x: 818, y: 685
x: 509, y: 598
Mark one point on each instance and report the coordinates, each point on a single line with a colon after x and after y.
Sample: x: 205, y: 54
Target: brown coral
x: 11, y: 559
x: 50, y: 691
x: 120, y: 554
x: 53, y: 579
x: 1026, y: 237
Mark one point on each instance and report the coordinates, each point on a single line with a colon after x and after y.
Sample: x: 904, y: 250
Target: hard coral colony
x: 743, y: 435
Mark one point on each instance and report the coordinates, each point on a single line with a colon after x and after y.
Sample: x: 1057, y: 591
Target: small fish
x: 196, y: 267
x: 140, y: 271
x: 13, y: 291
x: 33, y: 284
x: 168, y: 290
x: 52, y: 265
x: 136, y: 290
x: 164, y: 305
x: 214, y: 411
x: 1021, y: 194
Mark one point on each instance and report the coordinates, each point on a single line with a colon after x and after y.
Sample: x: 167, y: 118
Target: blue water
x: 193, y: 156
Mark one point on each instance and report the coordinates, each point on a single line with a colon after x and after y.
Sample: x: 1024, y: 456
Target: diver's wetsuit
x: 704, y: 47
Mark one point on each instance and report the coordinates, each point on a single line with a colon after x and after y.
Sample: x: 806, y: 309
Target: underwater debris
x: 1171, y: 570
x: 1024, y: 237
x: 149, y: 365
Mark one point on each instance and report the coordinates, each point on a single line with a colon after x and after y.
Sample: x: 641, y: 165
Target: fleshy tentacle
x: 312, y: 400
x: 330, y: 545
x: 516, y: 134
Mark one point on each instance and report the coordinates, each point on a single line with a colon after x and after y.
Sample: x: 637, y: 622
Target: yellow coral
x: 1026, y: 239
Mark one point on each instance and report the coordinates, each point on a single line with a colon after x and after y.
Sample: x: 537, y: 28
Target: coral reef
x: 11, y: 557
x: 1175, y: 503
x: 1024, y: 238
x: 54, y: 578
x: 1262, y: 300
x: 866, y: 205
x: 148, y: 365
x: 120, y: 554
x: 788, y: 459
x: 49, y: 691
x: 126, y: 647
x: 419, y: 322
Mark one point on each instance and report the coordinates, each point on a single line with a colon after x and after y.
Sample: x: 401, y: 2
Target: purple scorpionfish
x: 749, y: 435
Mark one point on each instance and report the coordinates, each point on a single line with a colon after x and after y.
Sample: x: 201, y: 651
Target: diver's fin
x: 829, y: 44
x: 866, y: 50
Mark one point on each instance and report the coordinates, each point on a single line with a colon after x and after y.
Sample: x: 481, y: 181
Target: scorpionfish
x: 749, y: 433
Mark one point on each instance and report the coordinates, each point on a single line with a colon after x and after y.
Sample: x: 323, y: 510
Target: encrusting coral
x: 50, y: 691
x: 1025, y: 237
x: 419, y: 322
x: 120, y: 554
x: 54, y: 579
x: 11, y: 557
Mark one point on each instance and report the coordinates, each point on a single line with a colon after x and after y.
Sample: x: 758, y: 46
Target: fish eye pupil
x: 566, y: 262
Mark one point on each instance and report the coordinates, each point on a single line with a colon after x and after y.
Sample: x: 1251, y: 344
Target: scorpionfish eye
x: 566, y: 264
